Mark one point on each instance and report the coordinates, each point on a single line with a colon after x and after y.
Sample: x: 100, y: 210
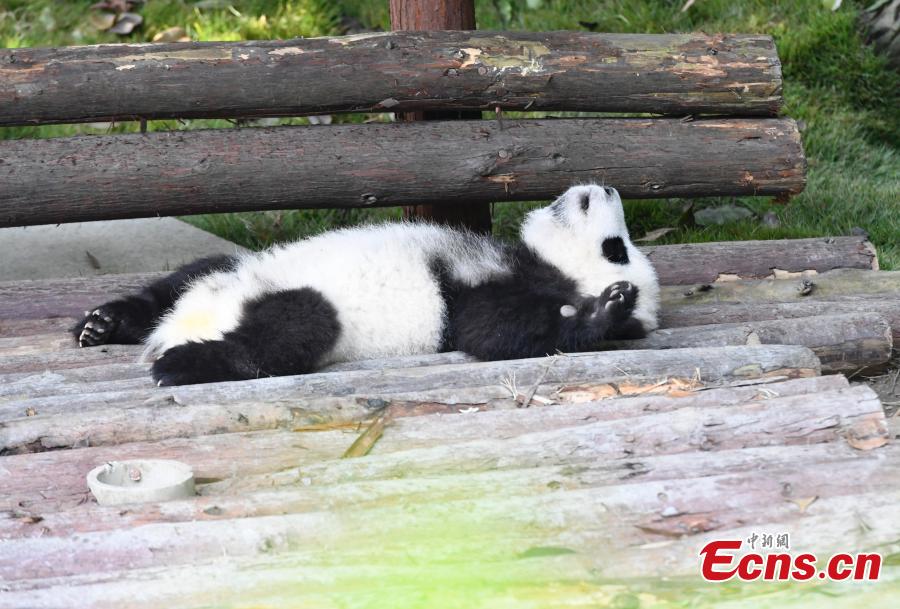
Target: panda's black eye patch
x: 585, y: 202
x: 614, y: 250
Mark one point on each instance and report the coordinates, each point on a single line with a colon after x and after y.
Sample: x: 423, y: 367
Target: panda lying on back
x: 394, y: 289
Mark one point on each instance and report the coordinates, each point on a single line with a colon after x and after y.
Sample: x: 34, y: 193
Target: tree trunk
x: 441, y: 15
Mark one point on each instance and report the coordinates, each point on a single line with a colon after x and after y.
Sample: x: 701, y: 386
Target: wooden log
x: 54, y: 480
x: 848, y: 285
x: 674, y: 431
x: 219, y: 407
x: 358, y: 574
x: 545, y: 517
x: 687, y: 263
x: 731, y: 313
x: 70, y: 358
x: 429, y: 162
x: 60, y: 516
x: 394, y: 72
x: 425, y: 15
x: 843, y: 343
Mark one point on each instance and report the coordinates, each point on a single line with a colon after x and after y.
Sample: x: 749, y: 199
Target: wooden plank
x: 394, y: 71
x: 54, y: 480
x: 471, y: 161
x: 297, y: 400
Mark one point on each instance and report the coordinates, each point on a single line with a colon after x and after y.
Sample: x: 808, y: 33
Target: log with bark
x: 735, y: 312
x: 843, y: 343
x: 688, y: 263
x: 839, y: 285
x: 171, y: 173
x: 394, y: 71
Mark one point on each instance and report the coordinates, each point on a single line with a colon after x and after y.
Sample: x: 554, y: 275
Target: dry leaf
x: 172, y: 34
x: 656, y: 234
x: 867, y: 434
x: 103, y: 21
x: 126, y: 23
x: 577, y: 394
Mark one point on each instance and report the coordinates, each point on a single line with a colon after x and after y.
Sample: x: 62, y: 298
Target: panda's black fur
x: 459, y: 291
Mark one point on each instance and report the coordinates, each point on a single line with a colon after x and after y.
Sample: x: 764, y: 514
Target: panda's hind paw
x: 619, y: 299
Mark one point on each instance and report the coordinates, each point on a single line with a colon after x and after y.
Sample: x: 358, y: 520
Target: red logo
x: 720, y: 562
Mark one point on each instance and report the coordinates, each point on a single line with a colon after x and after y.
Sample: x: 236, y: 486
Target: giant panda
x: 575, y: 281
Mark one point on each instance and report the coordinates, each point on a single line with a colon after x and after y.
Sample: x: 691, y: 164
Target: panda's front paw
x: 98, y: 326
x: 619, y: 300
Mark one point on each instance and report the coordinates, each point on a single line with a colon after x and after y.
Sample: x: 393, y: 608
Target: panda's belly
x: 387, y: 301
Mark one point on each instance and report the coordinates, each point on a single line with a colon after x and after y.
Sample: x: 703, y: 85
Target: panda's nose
x: 609, y: 191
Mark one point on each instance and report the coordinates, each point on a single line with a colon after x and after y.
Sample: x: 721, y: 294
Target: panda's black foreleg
x: 602, y: 318
x: 507, y: 321
x: 279, y: 334
x: 128, y: 320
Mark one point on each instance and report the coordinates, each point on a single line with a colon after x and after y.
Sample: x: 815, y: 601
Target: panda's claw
x: 96, y: 328
x: 619, y: 299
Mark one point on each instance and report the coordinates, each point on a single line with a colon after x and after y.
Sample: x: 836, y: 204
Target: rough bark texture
x: 398, y: 71
x: 424, y: 15
x: 103, y: 177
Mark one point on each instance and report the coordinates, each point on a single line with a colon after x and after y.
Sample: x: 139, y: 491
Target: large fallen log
x: 170, y: 173
x: 115, y: 416
x: 394, y: 71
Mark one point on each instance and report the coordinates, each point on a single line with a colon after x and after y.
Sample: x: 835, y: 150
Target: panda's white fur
x: 379, y: 278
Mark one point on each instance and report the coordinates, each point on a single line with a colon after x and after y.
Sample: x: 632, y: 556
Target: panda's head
x: 583, y: 234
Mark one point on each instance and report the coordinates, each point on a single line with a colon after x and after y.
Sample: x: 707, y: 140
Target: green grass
x: 845, y: 96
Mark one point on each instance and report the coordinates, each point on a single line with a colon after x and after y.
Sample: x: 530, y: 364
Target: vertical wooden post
x: 441, y: 15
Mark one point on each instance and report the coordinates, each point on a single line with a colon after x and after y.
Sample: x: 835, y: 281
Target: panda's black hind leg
x: 126, y: 321
x: 279, y: 334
